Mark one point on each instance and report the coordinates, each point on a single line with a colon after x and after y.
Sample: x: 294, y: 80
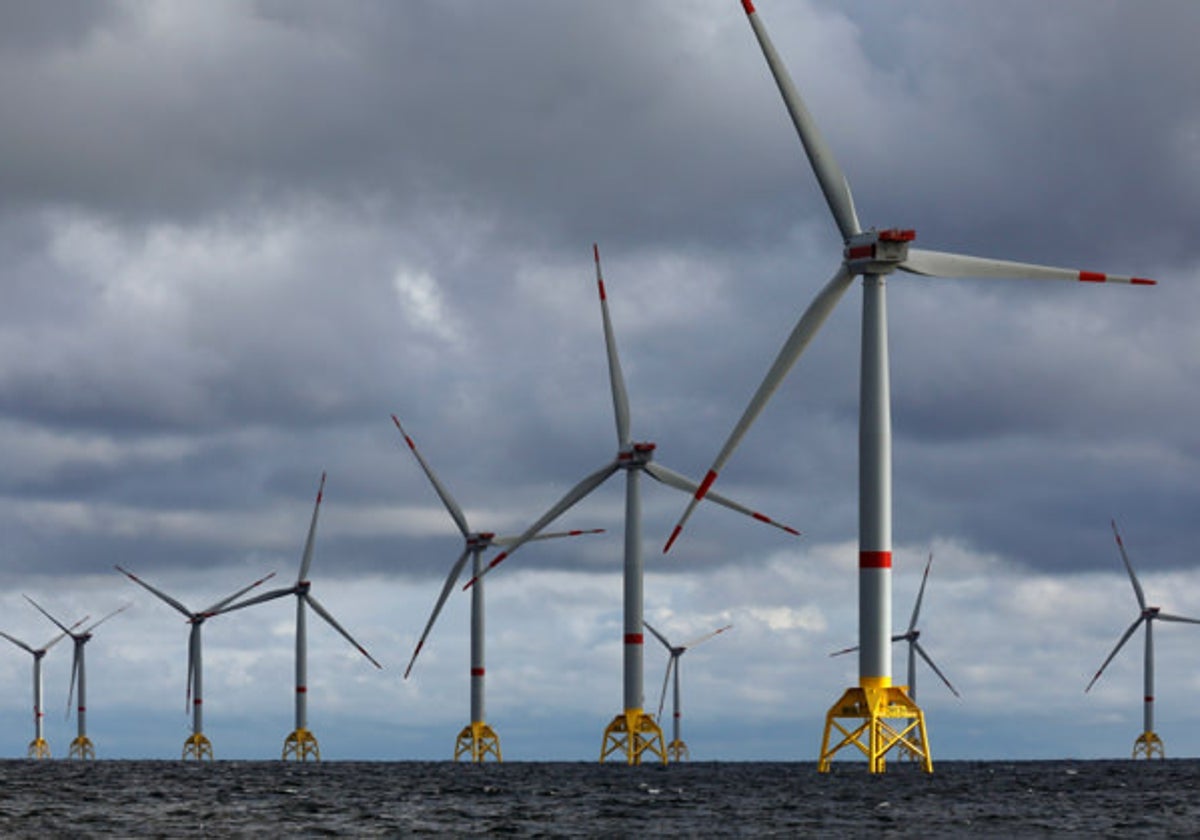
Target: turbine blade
x: 307, y: 558
x: 942, y: 264
x: 447, y: 500
x: 117, y: 611
x: 191, y: 667
x: 18, y: 642
x: 1137, y: 587
x: 1179, y: 618
x: 705, y: 637
x: 57, y: 623
x: 505, y: 542
x: 451, y: 579
x: 657, y: 635
x: 220, y: 605
x: 666, y: 679
x: 250, y: 602
x: 829, y: 175
x: 801, y: 335
x: 912, y: 624
x: 619, y: 394
x: 74, y: 672
x: 162, y: 595
x: 561, y: 506
x: 846, y: 650
x: 1120, y: 644
x: 324, y: 613
x: 679, y: 482
x: 921, y: 652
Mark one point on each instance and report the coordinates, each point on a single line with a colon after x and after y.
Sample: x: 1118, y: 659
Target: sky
x: 236, y: 237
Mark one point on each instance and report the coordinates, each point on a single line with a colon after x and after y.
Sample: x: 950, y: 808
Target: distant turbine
x: 197, y: 746
x: 301, y: 744
x: 677, y: 750
x: 875, y: 715
x: 38, y: 748
x: 477, y: 739
x: 633, y: 732
x: 82, y: 746
x: 1148, y: 744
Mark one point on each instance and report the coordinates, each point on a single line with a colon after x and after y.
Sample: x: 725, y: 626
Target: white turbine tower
x: 301, y: 744
x: 38, y: 748
x: 632, y: 732
x: 82, y: 746
x: 197, y: 745
x: 1148, y: 744
x: 677, y: 750
x: 875, y: 254
x: 477, y: 739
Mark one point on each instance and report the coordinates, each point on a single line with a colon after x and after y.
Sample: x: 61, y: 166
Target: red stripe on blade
x: 748, y: 6
x: 702, y: 490
x: 1092, y: 277
x: 1142, y: 281
x: 874, y: 559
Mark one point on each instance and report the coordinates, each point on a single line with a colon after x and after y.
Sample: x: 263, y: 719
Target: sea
x: 61, y: 798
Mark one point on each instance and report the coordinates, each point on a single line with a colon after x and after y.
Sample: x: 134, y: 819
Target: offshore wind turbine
x: 477, y: 739
x: 1148, y: 744
x: 301, y: 744
x: 82, y: 746
x: 197, y: 745
x: 874, y: 254
x: 677, y: 750
x: 38, y: 748
x: 632, y: 732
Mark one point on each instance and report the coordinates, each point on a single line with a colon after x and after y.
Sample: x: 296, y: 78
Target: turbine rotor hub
x: 637, y: 455
x: 480, y: 539
x: 877, y: 251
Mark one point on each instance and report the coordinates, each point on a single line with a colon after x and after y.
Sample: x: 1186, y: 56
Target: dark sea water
x: 351, y: 799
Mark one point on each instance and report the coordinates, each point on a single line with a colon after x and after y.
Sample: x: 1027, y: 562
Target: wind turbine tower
x: 677, y: 750
x: 197, y: 746
x: 82, y: 746
x: 301, y: 744
x: 632, y: 733
x: 38, y: 748
x: 477, y: 739
x: 1148, y: 744
x: 873, y: 716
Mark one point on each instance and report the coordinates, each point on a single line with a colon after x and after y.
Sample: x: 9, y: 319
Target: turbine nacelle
x: 480, y: 540
x: 877, y: 251
x: 637, y: 455
x: 1151, y: 612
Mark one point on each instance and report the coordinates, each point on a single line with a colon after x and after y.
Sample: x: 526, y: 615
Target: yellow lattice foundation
x: 301, y: 745
x: 82, y: 747
x: 877, y: 720
x: 478, y: 740
x: 1148, y: 745
x: 197, y: 747
x: 38, y: 748
x: 677, y: 751
x: 633, y: 733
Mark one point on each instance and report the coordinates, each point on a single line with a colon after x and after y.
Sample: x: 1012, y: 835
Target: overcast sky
x: 235, y: 237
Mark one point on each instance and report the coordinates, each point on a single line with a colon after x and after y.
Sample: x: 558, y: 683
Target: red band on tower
x: 634, y: 638
x: 874, y: 559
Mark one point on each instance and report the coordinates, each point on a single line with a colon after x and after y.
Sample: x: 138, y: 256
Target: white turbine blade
x: 447, y: 500
x: 619, y: 394
x: 921, y: 651
x: 1179, y: 618
x: 324, y: 613
x: 250, y: 602
x: 912, y: 624
x: 657, y: 635
x: 941, y: 264
x: 1137, y: 587
x: 18, y: 642
x: 117, y: 611
x: 220, y: 605
x: 1120, y: 644
x: 844, y: 651
x: 802, y: 334
x: 679, y: 482
x: 191, y: 672
x: 162, y: 595
x: 307, y: 558
x: 74, y: 672
x: 451, y: 579
x: 829, y: 174
x: 63, y: 635
x: 560, y: 507
x: 705, y: 637
x: 666, y: 679
x: 505, y: 542
x: 56, y: 622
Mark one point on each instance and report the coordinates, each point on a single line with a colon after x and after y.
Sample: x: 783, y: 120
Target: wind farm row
x: 877, y: 717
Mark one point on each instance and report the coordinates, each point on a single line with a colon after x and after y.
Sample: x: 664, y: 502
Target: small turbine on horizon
x: 477, y: 739
x: 677, y: 750
x: 82, y: 746
x: 301, y: 744
x: 38, y: 748
x: 1148, y: 744
x: 632, y: 732
x: 197, y: 745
